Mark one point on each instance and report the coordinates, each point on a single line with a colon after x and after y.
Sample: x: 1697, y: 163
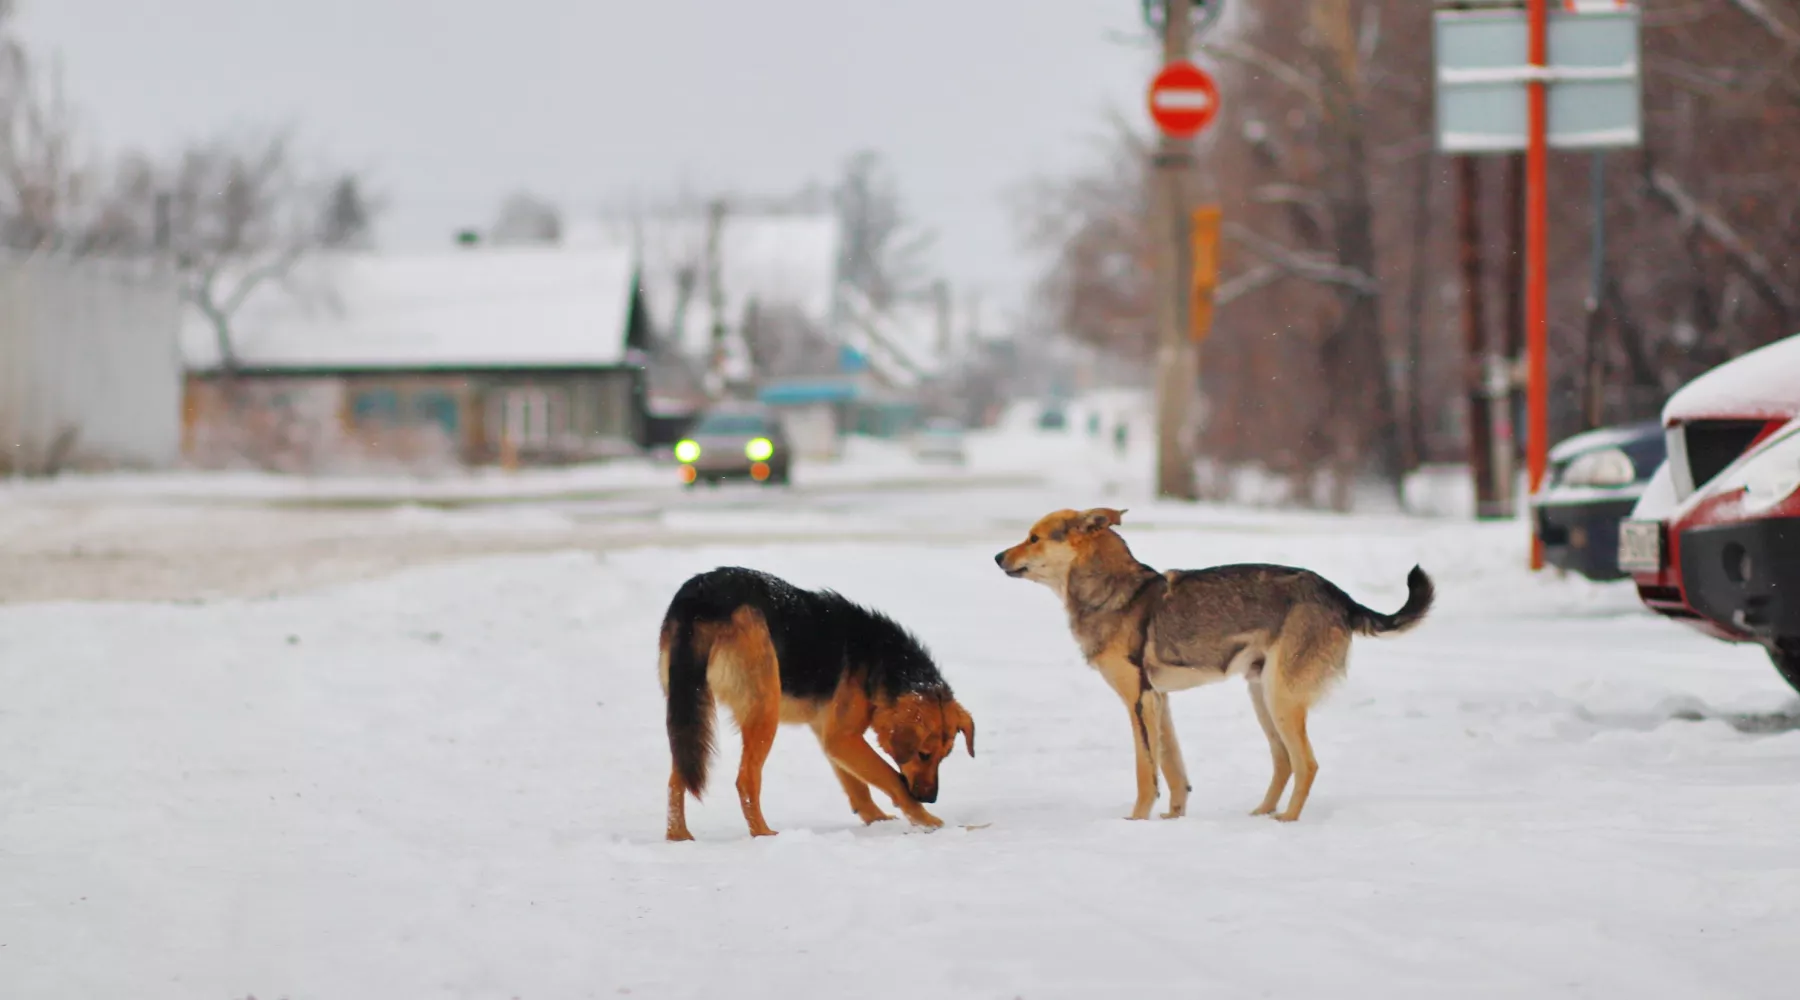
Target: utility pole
x: 1177, y: 356
x: 1537, y: 258
x: 718, y: 383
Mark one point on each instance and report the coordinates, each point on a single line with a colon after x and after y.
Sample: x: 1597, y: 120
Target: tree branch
x: 1243, y: 284
x: 1761, y: 14
x: 254, y: 277
x: 1693, y: 216
x: 1311, y: 266
x: 1312, y: 204
x: 1296, y: 79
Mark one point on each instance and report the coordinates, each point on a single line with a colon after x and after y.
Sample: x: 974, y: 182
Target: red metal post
x: 1537, y: 270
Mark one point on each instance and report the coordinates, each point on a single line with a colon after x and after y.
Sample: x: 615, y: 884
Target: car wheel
x: 1786, y: 656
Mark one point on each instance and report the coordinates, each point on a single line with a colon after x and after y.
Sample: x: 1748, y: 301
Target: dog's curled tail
x: 1419, y: 595
x: 690, y: 710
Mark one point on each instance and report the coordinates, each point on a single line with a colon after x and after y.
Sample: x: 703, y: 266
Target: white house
x: 470, y: 354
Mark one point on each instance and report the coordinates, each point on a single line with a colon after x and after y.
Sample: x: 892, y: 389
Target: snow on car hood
x: 1763, y: 384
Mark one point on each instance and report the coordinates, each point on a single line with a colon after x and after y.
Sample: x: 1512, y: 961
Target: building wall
x: 413, y: 420
x: 90, y: 367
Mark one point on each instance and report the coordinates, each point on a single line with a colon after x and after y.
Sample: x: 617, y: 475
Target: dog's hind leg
x: 757, y: 709
x: 1278, y: 755
x: 861, y: 802
x: 1289, y: 713
x: 1174, y: 768
x: 677, y: 827
x: 1311, y: 655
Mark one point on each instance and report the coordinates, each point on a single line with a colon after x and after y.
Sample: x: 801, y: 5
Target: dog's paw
x: 925, y: 819
x: 1175, y: 812
x: 677, y: 836
x: 1262, y: 810
x: 765, y: 832
x: 870, y: 819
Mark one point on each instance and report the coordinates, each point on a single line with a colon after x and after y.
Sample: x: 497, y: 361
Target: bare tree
x: 1337, y: 279
x: 348, y: 219
x: 1093, y: 231
x: 527, y: 219
x: 239, y: 216
x: 39, y: 181
x: 883, y: 253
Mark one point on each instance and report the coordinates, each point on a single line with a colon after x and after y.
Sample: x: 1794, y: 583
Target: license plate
x: 1640, y: 546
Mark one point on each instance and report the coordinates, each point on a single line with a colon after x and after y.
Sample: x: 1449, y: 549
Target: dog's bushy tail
x: 1419, y: 595
x: 690, y: 709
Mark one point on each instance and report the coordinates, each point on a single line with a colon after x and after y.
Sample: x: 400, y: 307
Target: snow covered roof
x: 778, y: 259
x: 903, y: 344
x: 485, y: 307
x: 1762, y: 384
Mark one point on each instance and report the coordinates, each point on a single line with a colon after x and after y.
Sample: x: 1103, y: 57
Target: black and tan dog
x: 774, y: 654
x: 1286, y: 630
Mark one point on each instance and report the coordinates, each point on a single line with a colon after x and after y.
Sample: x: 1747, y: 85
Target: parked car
x: 940, y: 440
x: 1053, y: 418
x: 735, y: 441
x: 1715, y: 541
x: 1594, y: 481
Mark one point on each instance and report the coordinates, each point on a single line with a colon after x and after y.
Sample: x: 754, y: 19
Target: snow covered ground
x: 449, y: 781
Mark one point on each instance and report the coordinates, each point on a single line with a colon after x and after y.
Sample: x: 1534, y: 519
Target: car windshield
x: 726, y: 424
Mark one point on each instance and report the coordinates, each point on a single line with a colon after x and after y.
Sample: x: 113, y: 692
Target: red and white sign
x: 1183, y: 100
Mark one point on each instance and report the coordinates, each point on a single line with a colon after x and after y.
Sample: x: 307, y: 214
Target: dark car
x: 1594, y: 481
x: 1715, y: 541
x: 735, y: 442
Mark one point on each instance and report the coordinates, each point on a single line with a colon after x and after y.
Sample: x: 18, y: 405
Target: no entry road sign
x: 1183, y: 99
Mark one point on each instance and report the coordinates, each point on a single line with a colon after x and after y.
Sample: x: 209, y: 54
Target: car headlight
x: 1772, y: 474
x: 759, y: 449
x: 1606, y: 467
x: 687, y: 451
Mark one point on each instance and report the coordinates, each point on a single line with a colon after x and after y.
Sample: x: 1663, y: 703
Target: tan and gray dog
x: 1285, y: 630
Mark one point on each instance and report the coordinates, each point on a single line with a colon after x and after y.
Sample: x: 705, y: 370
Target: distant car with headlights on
x: 1715, y: 541
x: 1594, y: 481
x: 735, y: 442
x: 940, y: 440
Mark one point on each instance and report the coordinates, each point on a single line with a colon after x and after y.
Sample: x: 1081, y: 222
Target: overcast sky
x: 449, y: 104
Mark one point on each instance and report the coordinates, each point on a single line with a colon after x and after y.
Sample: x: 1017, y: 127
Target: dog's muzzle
x: 1000, y: 561
x: 926, y: 798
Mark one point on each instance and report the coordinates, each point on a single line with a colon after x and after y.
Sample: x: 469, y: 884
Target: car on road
x: 1715, y: 541
x: 737, y: 441
x: 940, y: 439
x: 1594, y: 481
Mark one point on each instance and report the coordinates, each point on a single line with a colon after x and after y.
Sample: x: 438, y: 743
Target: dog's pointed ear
x: 965, y: 724
x: 1101, y: 518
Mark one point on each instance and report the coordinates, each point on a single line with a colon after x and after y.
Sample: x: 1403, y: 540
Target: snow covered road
x: 449, y: 783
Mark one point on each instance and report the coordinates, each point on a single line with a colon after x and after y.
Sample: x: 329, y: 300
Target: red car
x: 1715, y: 541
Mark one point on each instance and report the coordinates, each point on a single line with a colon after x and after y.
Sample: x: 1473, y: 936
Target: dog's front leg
x: 1146, y: 727
x: 850, y: 751
x: 1174, y: 769
x: 855, y: 788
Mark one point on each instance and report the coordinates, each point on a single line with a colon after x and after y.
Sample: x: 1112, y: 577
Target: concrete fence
x: 90, y: 365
